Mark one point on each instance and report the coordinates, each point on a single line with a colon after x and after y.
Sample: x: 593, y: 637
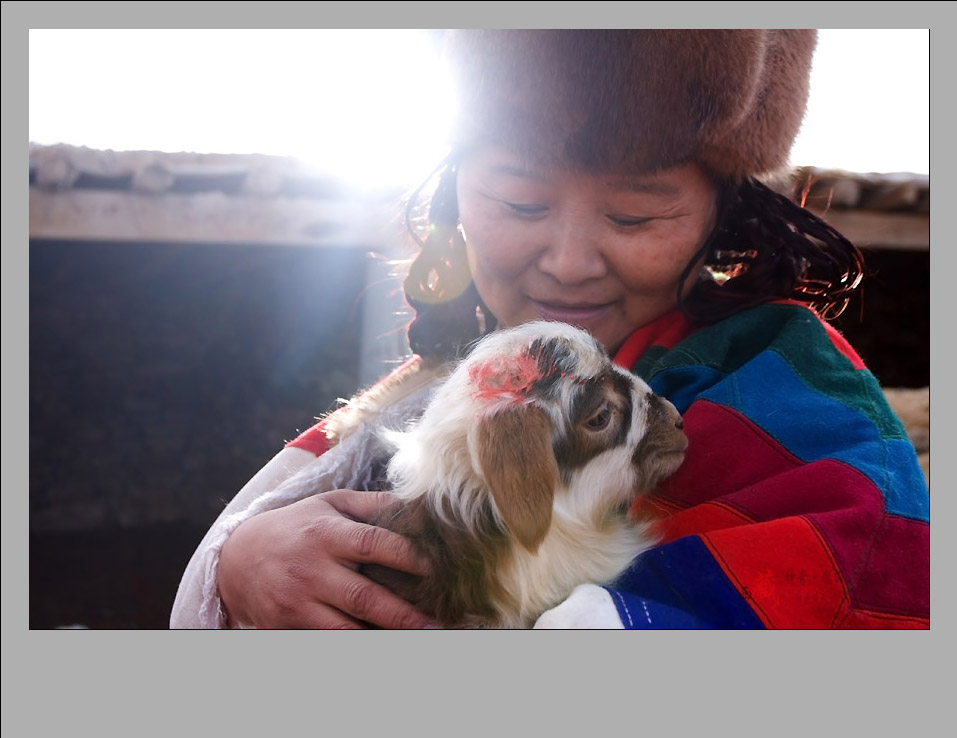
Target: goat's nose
x: 669, y: 411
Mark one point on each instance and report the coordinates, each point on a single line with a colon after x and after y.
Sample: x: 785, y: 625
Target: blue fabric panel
x: 680, y: 585
x: 682, y: 385
x: 846, y: 434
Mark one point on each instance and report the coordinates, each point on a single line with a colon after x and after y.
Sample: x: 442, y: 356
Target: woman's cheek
x: 656, y: 263
x: 495, y: 250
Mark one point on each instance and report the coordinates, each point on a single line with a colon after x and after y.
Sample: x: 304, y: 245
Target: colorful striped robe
x: 800, y: 504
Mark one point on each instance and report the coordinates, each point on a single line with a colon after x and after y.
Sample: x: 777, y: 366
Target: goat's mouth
x: 655, y: 465
x: 668, y: 449
x: 675, y: 444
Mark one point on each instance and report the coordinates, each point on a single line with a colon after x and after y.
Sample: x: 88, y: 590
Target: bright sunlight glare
x: 372, y: 106
x: 360, y: 104
x: 869, y: 108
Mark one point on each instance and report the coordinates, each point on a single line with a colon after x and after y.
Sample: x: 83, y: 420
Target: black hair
x: 764, y: 247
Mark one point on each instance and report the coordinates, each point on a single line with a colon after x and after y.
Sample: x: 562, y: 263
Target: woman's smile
x: 584, y: 315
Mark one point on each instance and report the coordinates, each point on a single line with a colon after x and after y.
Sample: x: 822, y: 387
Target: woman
x: 608, y: 179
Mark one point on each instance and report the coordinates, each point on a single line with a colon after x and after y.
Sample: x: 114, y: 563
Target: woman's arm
x: 197, y: 601
x: 295, y: 565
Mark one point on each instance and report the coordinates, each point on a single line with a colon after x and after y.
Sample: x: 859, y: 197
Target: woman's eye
x: 623, y: 221
x: 526, y: 209
x: 600, y: 420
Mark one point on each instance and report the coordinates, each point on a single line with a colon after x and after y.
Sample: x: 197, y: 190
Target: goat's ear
x: 514, y: 449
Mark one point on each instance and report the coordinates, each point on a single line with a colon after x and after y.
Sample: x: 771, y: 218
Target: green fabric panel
x: 795, y: 334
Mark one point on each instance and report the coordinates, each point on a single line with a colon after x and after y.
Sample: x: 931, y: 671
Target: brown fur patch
x: 515, y: 450
x: 461, y: 587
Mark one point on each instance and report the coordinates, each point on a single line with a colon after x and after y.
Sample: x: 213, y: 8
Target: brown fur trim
x: 634, y: 100
x: 364, y: 406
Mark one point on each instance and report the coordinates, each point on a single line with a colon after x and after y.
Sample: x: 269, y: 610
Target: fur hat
x: 634, y: 100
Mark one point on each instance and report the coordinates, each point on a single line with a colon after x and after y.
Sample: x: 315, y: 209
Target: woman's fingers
x: 354, y: 540
x: 298, y: 566
x: 353, y: 600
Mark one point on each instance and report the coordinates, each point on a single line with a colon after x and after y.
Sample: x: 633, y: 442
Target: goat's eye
x: 600, y: 420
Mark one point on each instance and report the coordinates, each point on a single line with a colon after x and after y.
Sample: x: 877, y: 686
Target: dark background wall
x: 888, y: 321
x: 163, y: 376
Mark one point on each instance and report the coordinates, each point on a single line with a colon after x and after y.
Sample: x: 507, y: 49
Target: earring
x: 440, y: 273
x: 727, y: 265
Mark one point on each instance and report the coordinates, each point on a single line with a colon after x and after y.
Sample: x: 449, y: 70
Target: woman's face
x: 601, y: 252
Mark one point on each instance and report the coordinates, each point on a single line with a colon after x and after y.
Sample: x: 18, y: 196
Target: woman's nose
x: 572, y: 254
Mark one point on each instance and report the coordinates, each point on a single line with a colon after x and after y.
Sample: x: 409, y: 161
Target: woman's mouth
x: 582, y: 315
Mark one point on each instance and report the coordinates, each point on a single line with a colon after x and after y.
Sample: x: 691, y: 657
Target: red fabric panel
x: 313, y: 440
x: 871, y: 620
x: 726, y: 452
x: 721, y: 487
x: 702, y: 518
x: 844, y: 506
x: 887, y: 576
x: 666, y: 331
x: 785, y: 572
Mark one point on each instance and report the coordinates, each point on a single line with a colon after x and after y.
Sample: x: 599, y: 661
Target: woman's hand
x: 297, y: 566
